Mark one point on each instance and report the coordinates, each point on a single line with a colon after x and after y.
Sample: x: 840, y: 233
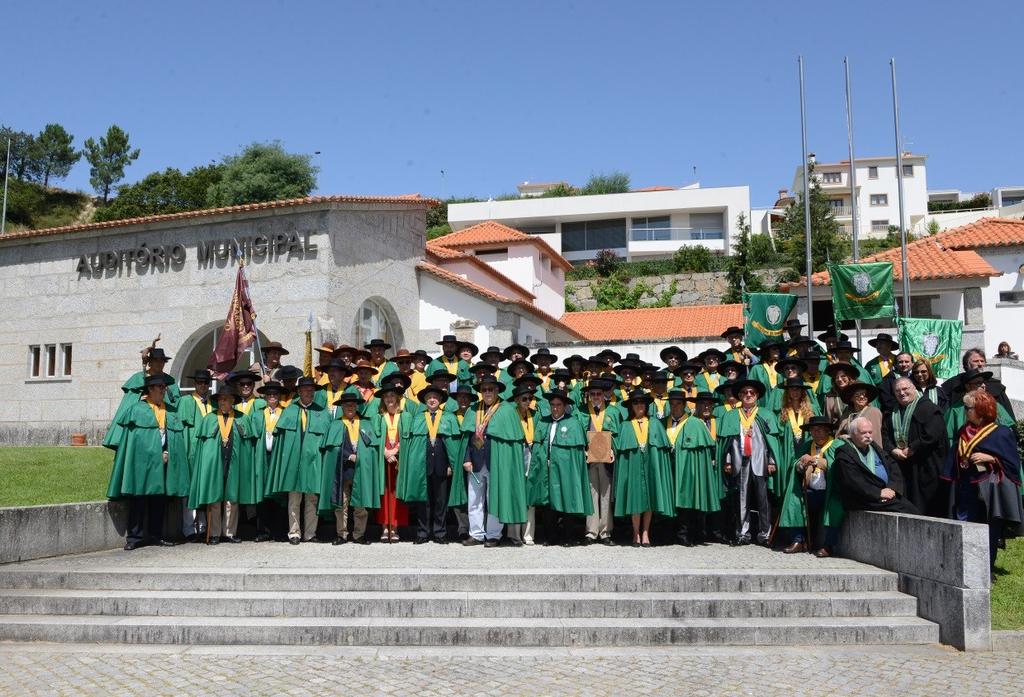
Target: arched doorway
x: 195, y: 353
x: 377, y: 319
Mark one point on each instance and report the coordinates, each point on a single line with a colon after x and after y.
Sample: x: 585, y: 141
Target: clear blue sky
x: 391, y: 93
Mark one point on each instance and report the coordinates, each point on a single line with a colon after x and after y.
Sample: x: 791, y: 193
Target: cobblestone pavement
x: 46, y: 669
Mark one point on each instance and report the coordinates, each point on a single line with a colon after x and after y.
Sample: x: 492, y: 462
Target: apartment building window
x: 879, y: 199
x: 873, y: 172
x: 651, y: 228
x: 832, y: 177
x: 908, y: 170
x: 707, y: 226
x: 65, y: 359
x: 879, y: 226
x: 594, y: 235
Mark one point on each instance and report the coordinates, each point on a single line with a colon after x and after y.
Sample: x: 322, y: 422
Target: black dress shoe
x: 683, y: 540
x: 192, y: 538
x: 235, y: 539
x: 645, y: 544
x: 339, y: 541
x: 441, y: 540
x: 293, y: 540
x: 607, y: 541
x: 166, y: 543
x: 421, y: 540
x: 262, y: 537
x: 634, y: 544
x: 361, y: 541
x: 516, y: 543
x: 490, y: 543
x: 472, y: 542
x: 213, y: 541
x: 134, y: 544
x: 587, y: 541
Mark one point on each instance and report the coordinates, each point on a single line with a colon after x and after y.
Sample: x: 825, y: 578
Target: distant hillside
x: 31, y: 207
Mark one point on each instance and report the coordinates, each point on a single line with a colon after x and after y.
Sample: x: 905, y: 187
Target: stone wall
x: 691, y: 288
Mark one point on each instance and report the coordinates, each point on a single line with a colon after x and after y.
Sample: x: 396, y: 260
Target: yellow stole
x: 433, y: 423
x: 270, y: 419
x: 452, y: 367
x: 333, y: 395
x: 204, y: 409
x: 352, y: 427
x: 673, y: 431
x: 712, y: 380
x: 160, y: 412
x: 527, y: 428
x: 813, y: 383
x: 641, y: 428
x: 598, y: 425
x: 391, y: 422
x: 225, y: 427
x: 245, y: 407
x: 884, y: 365
x: 814, y: 447
x: 965, y: 448
x: 796, y: 420
x: 713, y: 428
x: 773, y: 376
x: 660, y: 402
x: 747, y: 420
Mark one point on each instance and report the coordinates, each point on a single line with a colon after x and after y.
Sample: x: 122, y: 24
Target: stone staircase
x: 423, y: 606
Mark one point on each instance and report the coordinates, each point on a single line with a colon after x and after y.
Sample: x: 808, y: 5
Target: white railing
x: 666, y: 234
x: 841, y: 211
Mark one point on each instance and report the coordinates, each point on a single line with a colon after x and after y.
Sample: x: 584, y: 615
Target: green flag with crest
x: 765, y: 314
x: 862, y: 291
x: 936, y: 341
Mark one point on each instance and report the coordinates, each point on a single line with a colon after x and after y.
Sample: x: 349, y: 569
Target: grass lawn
x: 38, y: 475
x: 1008, y: 590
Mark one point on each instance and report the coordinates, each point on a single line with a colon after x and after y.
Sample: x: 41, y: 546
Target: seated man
x: 869, y: 480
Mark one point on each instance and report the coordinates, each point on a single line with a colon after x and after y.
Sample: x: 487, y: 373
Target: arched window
x: 376, y: 320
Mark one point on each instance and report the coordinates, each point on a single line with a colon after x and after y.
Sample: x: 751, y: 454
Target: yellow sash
x: 204, y: 409
x: 773, y: 376
x: 245, y: 407
x: 796, y: 420
x: 673, y: 431
x: 641, y: 427
x: 712, y: 429
x: 660, y: 402
x: 225, y: 427
x: 527, y: 428
x: 352, y: 427
x: 747, y: 420
x: 270, y: 419
x: 332, y: 395
x: 965, y: 448
x: 598, y: 425
x: 433, y: 424
x: 813, y: 383
x: 160, y: 412
x: 712, y: 380
x: 814, y: 447
x: 884, y: 366
x: 303, y: 417
x: 452, y: 367
x: 392, y: 426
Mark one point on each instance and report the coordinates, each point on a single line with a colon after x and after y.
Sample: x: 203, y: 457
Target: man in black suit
x: 974, y: 359
x: 915, y: 436
x: 869, y: 479
x: 900, y: 369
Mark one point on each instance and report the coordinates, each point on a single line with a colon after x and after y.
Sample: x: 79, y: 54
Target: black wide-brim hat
x: 543, y: 353
x: 473, y: 348
x: 791, y: 383
x: 974, y: 374
x: 377, y: 342
x: 732, y: 330
x: 225, y: 391
x: 201, y: 375
x: 848, y: 368
x: 468, y: 391
x: 485, y: 368
x: 882, y: 336
x: 706, y: 396
x: 349, y: 397
x: 522, y: 362
x: 306, y: 381
x: 818, y: 421
x: 520, y: 391
x: 442, y: 373
x: 401, y: 379
x: 637, y: 396
x: 157, y: 353
x: 448, y: 339
x: 271, y: 387
x: 741, y: 384
x: 713, y: 352
x: 288, y: 372
x: 672, y: 351
x: 389, y: 388
x: 797, y: 363
x: 492, y: 351
x: 161, y: 379
x: 518, y: 348
x: 234, y: 377
x: 442, y: 394
x: 847, y: 392
x: 558, y: 394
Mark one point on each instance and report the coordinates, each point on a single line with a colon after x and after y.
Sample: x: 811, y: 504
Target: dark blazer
x: 886, y: 399
x: 955, y: 391
x: 862, y: 489
x: 926, y: 438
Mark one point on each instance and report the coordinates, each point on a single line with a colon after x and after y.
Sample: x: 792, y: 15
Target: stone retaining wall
x: 943, y: 563
x: 691, y: 288
x: 34, y: 532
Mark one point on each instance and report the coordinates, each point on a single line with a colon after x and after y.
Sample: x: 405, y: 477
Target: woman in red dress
x: 392, y: 512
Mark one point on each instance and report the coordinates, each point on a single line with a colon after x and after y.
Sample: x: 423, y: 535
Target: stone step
x: 452, y: 580
x: 455, y: 604
x: 468, y: 631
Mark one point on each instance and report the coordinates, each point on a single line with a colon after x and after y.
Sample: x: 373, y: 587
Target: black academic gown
x: 954, y: 392
x: 886, y: 398
x: 861, y: 489
x: 926, y: 439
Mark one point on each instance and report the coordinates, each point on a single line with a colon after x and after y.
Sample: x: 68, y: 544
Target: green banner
x: 861, y: 291
x: 765, y: 314
x: 934, y: 340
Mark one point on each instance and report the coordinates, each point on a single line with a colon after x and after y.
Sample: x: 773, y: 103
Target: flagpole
x: 853, y: 181
x: 807, y: 202
x: 899, y: 188
x: 255, y: 327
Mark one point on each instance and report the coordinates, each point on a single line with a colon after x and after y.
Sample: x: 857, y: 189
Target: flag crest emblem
x: 861, y: 282
x: 930, y: 344
x: 773, y: 313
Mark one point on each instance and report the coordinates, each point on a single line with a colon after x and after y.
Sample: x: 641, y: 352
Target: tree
x: 54, y: 153
x: 22, y: 146
x: 169, y: 191
x: 828, y: 241
x: 614, y: 183
x: 560, y: 190
x: 262, y: 172
x: 740, y: 266
x: 437, y: 217
x: 107, y: 160
x: 696, y: 259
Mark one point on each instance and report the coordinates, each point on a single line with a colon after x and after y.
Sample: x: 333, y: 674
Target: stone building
x: 81, y: 302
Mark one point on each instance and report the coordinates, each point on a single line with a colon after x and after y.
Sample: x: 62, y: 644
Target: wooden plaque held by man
x: 599, y: 447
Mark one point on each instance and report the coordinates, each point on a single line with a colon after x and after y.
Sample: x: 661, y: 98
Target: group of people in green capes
x: 741, y: 445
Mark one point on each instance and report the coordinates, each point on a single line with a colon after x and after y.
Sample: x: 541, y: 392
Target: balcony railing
x: 667, y: 234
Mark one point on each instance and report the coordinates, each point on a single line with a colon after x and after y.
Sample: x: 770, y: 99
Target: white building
x: 649, y: 223
x: 877, y: 194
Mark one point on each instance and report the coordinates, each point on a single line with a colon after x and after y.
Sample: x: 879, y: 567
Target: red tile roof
x: 652, y: 188
x: 927, y: 259
x: 987, y: 232
x: 490, y: 233
x: 412, y: 199
x: 465, y: 284
x: 692, y: 321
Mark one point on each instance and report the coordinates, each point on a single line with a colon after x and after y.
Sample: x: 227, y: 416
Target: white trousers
x: 228, y: 512
x: 477, y: 494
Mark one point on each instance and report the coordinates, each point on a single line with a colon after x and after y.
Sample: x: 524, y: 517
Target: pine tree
x: 828, y: 241
x: 740, y: 272
x: 107, y: 160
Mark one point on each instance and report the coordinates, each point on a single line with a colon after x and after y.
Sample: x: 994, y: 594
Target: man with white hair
x: 914, y: 434
x: 869, y: 479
